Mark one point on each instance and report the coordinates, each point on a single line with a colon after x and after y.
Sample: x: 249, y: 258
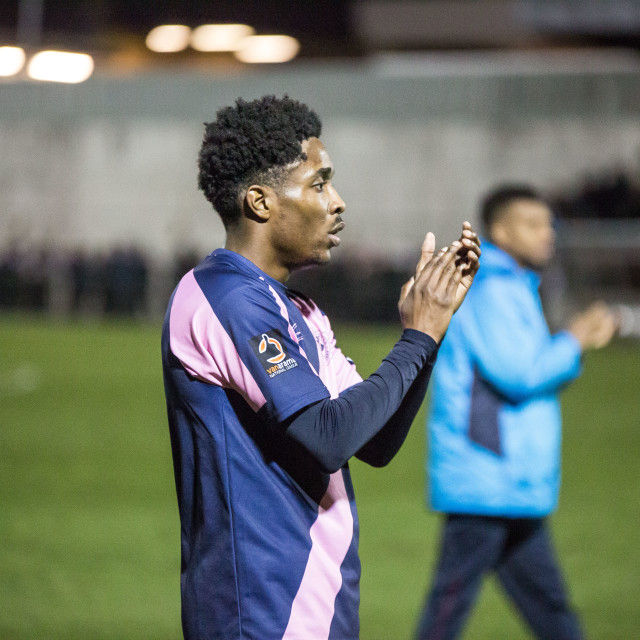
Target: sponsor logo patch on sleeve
x: 269, y: 348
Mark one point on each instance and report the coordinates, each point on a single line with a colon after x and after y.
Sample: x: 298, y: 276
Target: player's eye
x: 319, y: 186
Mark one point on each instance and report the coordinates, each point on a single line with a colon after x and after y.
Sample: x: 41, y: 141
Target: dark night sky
x: 302, y: 17
x: 322, y: 26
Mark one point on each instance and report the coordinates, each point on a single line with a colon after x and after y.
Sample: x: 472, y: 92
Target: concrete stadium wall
x: 415, y: 141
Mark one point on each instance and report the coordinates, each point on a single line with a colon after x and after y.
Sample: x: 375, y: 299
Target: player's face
x: 309, y: 211
x: 525, y: 230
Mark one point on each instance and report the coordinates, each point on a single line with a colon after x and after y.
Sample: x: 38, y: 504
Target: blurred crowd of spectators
x: 23, y: 279
x: 355, y: 286
x: 125, y: 282
x: 90, y: 283
x: 613, y: 196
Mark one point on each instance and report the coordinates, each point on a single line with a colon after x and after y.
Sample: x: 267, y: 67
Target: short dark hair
x: 498, y: 198
x: 248, y: 143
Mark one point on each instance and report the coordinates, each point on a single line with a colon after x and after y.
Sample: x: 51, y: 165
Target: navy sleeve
x: 380, y: 450
x: 378, y: 410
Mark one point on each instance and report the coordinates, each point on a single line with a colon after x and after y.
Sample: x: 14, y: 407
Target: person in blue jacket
x: 494, y: 427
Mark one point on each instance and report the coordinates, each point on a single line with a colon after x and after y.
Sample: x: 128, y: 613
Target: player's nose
x: 337, y: 203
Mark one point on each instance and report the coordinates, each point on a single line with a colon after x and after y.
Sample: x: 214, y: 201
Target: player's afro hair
x: 248, y: 143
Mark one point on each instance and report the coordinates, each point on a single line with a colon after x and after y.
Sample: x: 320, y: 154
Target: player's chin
x: 539, y: 262
x: 323, y: 257
x: 318, y: 259
x: 544, y: 257
x: 322, y: 253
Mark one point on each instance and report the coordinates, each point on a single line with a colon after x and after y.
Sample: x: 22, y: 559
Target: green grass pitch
x: 89, y: 526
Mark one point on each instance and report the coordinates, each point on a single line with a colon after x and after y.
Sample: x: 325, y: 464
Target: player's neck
x: 255, y: 252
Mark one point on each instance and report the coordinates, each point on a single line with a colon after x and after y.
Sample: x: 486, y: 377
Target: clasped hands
x: 441, y: 281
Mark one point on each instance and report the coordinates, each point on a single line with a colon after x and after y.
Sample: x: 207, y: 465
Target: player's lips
x: 333, y: 237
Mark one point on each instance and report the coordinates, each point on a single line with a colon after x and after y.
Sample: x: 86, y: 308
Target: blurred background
x: 425, y: 106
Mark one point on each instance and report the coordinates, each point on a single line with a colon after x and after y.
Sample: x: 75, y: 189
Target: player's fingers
x: 469, y: 241
x: 451, y: 277
x: 470, y: 244
x: 406, y: 288
x: 441, y: 268
x: 448, y: 277
x: 434, y: 263
x: 470, y: 262
x: 454, y: 282
x: 467, y: 231
x: 427, y: 251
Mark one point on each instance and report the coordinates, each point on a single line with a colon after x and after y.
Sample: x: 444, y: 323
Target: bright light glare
x: 60, y: 66
x: 219, y: 37
x: 168, y: 38
x: 260, y: 49
x: 11, y: 60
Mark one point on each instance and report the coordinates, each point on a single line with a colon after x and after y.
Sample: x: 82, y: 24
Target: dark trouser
x: 521, y: 553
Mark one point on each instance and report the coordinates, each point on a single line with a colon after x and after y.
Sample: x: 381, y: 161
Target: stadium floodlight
x: 220, y: 37
x: 11, y: 60
x: 267, y: 49
x: 60, y: 66
x: 168, y: 38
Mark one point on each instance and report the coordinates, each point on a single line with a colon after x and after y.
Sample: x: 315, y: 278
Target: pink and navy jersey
x: 269, y: 540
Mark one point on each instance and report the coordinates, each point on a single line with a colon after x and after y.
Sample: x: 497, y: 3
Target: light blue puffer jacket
x: 494, y: 428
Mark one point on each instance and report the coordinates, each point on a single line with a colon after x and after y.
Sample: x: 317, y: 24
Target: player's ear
x: 260, y: 202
